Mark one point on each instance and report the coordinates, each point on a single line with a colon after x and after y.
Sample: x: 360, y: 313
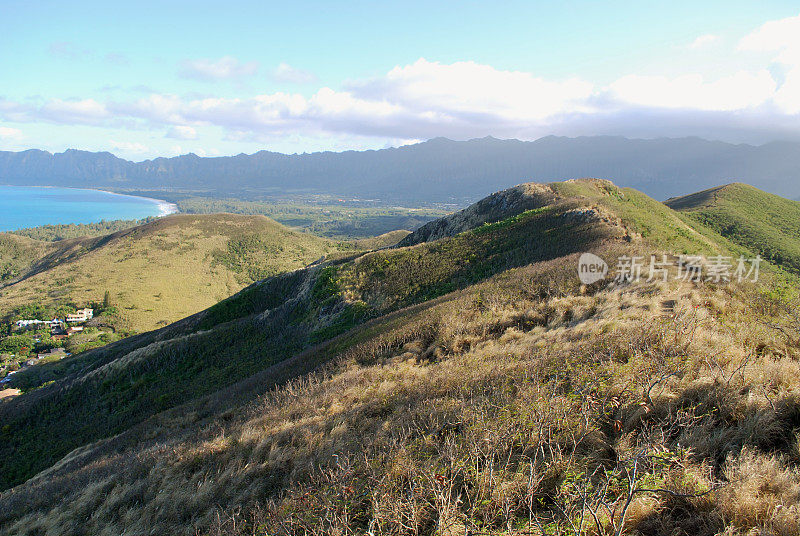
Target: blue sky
x: 147, y: 79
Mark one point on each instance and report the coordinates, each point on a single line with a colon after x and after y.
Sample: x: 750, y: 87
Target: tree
x: 16, y: 344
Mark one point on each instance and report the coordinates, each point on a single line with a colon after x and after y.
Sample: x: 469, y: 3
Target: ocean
x: 27, y: 206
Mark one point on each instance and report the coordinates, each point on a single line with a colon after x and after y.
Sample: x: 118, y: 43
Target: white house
x: 81, y: 315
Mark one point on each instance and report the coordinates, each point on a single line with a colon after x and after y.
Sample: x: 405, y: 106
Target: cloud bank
x: 466, y: 99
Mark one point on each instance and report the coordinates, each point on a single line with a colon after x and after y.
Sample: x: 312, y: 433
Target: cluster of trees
x: 16, y: 346
x: 51, y: 233
x: 331, y: 220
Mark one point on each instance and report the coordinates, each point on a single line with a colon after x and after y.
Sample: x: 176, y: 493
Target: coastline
x: 163, y: 207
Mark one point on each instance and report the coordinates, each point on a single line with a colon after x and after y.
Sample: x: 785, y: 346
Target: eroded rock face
x: 514, y: 201
x: 498, y: 206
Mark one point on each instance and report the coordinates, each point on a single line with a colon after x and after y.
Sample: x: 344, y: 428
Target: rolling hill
x: 439, y: 170
x: 158, y: 272
x: 764, y: 223
x: 17, y: 253
x: 463, y: 381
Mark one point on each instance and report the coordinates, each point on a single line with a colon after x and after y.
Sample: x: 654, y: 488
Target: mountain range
x: 439, y: 170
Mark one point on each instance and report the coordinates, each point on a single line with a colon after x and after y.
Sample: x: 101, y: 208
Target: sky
x: 146, y: 79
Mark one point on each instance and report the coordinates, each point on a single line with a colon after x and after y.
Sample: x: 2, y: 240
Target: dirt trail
x: 9, y: 393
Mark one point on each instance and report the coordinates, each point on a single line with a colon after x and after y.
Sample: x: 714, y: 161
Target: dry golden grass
x: 502, y: 409
x: 523, y: 404
x: 9, y: 393
x: 165, y: 270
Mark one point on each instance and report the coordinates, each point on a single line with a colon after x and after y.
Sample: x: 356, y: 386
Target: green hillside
x: 764, y: 223
x: 17, y: 253
x: 158, y: 272
x: 465, y: 382
x: 266, y: 323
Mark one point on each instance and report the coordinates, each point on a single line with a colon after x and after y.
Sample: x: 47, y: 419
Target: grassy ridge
x: 523, y: 395
x: 164, y: 270
x: 105, y: 391
x: 764, y: 223
x: 17, y: 254
x: 480, y: 290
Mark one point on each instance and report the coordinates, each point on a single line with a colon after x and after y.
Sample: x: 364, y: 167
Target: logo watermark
x: 591, y: 268
x: 696, y: 268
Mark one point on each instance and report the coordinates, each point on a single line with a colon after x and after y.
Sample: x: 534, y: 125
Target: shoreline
x: 165, y: 208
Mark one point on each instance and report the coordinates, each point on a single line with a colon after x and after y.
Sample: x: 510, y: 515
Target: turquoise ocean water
x: 24, y: 206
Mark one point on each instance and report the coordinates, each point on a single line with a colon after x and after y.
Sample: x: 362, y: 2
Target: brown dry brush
x: 508, y: 409
x: 639, y: 430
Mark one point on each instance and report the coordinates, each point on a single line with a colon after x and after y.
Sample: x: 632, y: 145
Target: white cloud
x: 286, y: 73
x: 8, y: 133
x: 465, y: 99
x: 780, y: 38
x: 84, y: 111
x: 177, y: 150
x: 129, y: 147
x: 182, y: 132
x: 704, y: 41
x: 739, y: 91
x: 225, y: 68
x: 159, y: 109
x: 423, y: 100
x: 448, y: 91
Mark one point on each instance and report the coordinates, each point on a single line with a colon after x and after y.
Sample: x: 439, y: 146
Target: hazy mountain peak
x: 439, y: 170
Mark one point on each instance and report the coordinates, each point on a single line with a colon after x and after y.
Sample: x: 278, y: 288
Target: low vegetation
x: 762, y: 222
x: 162, y: 271
x: 52, y: 233
x: 17, y: 254
x: 467, y: 383
x: 321, y: 216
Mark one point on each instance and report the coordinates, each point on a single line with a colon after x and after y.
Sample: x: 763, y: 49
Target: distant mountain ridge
x: 438, y: 170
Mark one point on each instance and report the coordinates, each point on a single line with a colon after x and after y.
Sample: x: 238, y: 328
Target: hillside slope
x: 464, y: 383
x: 268, y: 322
x: 764, y: 223
x: 17, y: 253
x: 158, y: 272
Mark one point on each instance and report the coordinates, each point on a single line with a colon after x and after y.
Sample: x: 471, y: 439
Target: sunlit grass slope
x: 463, y: 383
x: 268, y: 322
x: 164, y: 270
x: 762, y: 222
